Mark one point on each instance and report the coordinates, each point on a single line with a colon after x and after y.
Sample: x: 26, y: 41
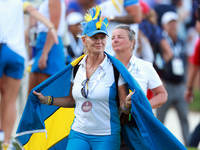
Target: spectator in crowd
x: 178, y: 6
x: 127, y: 12
x: 174, y: 76
x: 75, y: 47
x: 160, y: 46
x: 12, y: 58
x: 49, y: 57
x: 184, y: 10
x: 144, y: 49
x: 161, y: 49
x: 192, y: 33
x: 194, y: 139
x: 81, y: 5
x: 163, y: 6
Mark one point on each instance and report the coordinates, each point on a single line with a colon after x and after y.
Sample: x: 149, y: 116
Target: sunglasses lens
x: 83, y: 92
x: 83, y: 83
x: 83, y: 88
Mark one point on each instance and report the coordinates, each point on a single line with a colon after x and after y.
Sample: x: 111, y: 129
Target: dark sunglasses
x: 84, y: 94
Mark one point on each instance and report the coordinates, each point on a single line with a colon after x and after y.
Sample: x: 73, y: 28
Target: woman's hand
x: 41, y: 97
x: 127, y: 103
x: 189, y: 95
x: 42, y: 64
x: 126, y: 107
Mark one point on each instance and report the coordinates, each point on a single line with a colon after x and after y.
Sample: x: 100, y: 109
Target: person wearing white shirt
x: 142, y: 71
x: 12, y: 59
x: 75, y: 47
x: 49, y: 57
x: 123, y: 42
x: 93, y: 92
x: 118, y: 11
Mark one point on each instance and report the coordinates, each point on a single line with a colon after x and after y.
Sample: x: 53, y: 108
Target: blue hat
x: 93, y: 23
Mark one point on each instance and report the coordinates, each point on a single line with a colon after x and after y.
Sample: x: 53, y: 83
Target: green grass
x: 195, y: 105
x: 191, y: 148
x: 17, y: 146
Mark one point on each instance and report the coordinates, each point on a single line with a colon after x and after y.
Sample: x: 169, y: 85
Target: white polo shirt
x: 144, y: 73
x: 97, y: 114
x: 44, y: 9
x: 12, y: 26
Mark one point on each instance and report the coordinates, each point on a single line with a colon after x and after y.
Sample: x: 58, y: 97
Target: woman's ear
x: 83, y: 39
x: 132, y: 43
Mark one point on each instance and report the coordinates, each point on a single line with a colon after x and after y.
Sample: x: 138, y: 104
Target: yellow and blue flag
x: 45, y: 127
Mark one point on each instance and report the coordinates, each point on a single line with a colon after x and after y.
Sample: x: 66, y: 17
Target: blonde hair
x: 84, y: 48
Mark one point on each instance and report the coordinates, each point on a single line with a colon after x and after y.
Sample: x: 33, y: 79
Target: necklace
x: 91, y: 68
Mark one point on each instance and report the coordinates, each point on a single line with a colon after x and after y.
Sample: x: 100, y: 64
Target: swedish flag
x: 46, y: 127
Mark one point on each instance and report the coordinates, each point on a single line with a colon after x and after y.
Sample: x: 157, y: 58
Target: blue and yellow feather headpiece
x: 93, y: 23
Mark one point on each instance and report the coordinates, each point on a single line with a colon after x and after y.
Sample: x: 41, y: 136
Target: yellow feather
x: 98, y: 8
x: 88, y: 17
x: 98, y: 24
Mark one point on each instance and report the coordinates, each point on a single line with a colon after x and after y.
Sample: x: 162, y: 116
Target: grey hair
x: 131, y: 33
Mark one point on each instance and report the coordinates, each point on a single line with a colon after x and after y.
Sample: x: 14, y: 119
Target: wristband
x: 49, y: 100
x: 126, y: 108
x: 52, y: 27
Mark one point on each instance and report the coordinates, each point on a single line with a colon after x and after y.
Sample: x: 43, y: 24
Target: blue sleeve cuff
x: 130, y: 2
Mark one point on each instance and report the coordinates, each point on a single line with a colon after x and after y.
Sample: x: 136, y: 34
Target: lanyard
x: 176, y: 48
x: 86, y: 83
x: 102, y: 74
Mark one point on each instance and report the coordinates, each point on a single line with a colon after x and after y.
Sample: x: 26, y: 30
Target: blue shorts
x: 79, y: 141
x: 11, y: 64
x: 56, y: 57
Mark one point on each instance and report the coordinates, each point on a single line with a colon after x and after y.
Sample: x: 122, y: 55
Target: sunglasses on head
x: 128, y: 28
